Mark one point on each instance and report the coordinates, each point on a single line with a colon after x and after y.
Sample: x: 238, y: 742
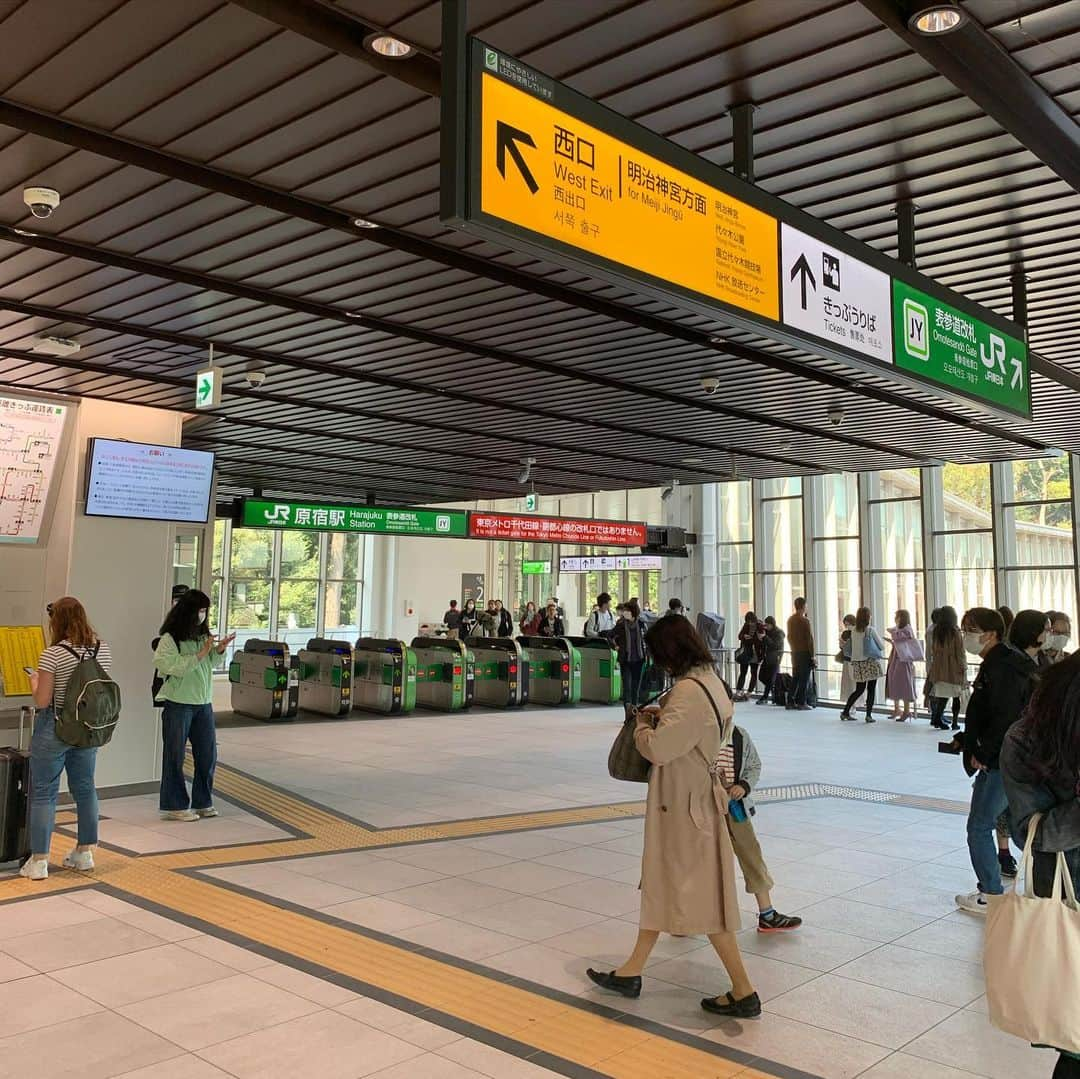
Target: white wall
x: 428, y: 575
x: 120, y: 570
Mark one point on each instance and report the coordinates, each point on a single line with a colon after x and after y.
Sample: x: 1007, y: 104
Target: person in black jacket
x: 628, y: 637
x: 772, y: 652
x: 505, y: 625
x: 999, y: 695
x: 551, y: 625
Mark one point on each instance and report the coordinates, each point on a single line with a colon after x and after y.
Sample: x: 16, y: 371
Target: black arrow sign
x: 802, y: 268
x: 507, y: 138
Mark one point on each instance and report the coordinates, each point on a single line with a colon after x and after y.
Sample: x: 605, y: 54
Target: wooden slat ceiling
x: 475, y: 366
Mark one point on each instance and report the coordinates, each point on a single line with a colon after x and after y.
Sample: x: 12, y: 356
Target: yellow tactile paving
x: 562, y: 1029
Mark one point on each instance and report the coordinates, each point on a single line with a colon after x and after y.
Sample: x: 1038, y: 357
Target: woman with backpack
x: 183, y: 656
x: 71, y: 638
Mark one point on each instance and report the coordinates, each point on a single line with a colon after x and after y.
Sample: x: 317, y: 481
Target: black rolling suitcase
x: 15, y: 797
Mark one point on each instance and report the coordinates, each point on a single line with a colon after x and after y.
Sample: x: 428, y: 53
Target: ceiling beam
x: 126, y: 151
x: 976, y: 63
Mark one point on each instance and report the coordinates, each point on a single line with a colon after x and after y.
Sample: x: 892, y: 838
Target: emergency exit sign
x: 208, y: 388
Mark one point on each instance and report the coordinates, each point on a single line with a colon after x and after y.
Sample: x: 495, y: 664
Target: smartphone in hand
x: 29, y: 671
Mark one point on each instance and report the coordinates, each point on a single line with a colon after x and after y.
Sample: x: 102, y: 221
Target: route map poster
x: 31, y: 433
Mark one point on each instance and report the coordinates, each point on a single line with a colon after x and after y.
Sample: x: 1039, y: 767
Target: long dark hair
x: 182, y: 622
x: 1052, y: 720
x: 676, y: 646
x: 862, y: 619
x: 946, y: 625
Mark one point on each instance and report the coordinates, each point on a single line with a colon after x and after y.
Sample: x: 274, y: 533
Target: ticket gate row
x: 384, y: 676
x: 601, y: 679
x: 326, y: 677
x: 554, y: 670
x: 501, y: 672
x: 445, y: 674
x: 265, y: 681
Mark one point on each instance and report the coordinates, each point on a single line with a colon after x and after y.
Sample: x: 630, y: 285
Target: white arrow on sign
x: 1017, y: 380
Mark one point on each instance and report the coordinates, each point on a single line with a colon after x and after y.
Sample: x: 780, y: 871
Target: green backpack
x: 91, y: 707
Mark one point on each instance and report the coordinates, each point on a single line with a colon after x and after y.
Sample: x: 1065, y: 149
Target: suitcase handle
x: 26, y: 712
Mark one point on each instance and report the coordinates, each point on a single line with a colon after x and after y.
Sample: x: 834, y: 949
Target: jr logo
x: 916, y: 330
x: 279, y: 514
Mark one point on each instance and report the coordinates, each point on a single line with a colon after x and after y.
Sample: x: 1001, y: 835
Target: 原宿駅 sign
x: 949, y: 346
x: 396, y: 520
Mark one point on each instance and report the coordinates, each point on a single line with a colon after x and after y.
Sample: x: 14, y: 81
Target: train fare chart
x: 30, y: 437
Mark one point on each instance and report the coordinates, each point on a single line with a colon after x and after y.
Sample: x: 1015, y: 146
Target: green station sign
x: 939, y: 342
x: 322, y: 517
x: 535, y: 569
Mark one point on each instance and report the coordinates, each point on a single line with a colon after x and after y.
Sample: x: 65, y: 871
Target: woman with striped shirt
x: 71, y: 638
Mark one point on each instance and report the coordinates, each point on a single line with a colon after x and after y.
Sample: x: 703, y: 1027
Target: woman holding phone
x: 184, y: 659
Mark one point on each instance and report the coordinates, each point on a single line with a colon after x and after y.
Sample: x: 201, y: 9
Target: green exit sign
x: 535, y: 569
x: 208, y: 388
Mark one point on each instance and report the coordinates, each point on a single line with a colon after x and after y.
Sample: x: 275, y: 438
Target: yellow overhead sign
x: 551, y: 173
x: 20, y: 646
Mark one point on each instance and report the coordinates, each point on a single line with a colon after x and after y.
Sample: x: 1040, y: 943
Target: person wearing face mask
x: 504, y: 626
x: 469, y: 619
x: 530, y: 620
x: 628, y: 636
x: 998, y: 698
x: 184, y: 656
x: 1057, y: 640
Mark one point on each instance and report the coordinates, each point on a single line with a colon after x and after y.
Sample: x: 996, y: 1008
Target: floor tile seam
x: 159, y: 942
x: 585, y: 1008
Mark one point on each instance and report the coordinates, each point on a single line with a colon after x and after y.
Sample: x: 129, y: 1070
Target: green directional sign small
x: 208, y: 388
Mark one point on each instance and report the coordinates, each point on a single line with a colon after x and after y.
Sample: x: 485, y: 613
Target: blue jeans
x: 180, y: 724
x: 49, y: 758
x: 988, y: 802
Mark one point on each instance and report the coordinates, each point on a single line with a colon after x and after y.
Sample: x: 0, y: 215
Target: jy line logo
x: 442, y: 523
x: 277, y: 514
x: 916, y: 330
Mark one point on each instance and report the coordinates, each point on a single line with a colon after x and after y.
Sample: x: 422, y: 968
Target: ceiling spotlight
x: 693, y: 460
x: 364, y: 223
x: 392, y: 47
x: 526, y: 469
x: 938, y: 17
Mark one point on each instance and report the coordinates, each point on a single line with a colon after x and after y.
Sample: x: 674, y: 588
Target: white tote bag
x: 1032, y: 959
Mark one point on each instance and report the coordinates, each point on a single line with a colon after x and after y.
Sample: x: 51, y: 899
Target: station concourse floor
x: 418, y: 898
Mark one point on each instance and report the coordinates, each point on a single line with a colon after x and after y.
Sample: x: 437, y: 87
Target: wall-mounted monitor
x: 148, y: 482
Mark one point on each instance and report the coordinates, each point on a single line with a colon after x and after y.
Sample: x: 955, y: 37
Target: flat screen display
x: 148, y: 482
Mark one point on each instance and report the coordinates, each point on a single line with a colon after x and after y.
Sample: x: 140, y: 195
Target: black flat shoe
x: 747, y: 1008
x: 627, y: 987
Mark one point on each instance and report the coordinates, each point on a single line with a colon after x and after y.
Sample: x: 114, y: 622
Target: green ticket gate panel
x: 325, y: 671
x: 445, y: 674
x: 554, y: 670
x: 384, y: 676
x: 601, y: 679
x: 264, y: 681
x: 501, y: 672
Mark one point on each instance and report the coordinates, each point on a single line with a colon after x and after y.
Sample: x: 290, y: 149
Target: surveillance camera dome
x: 255, y: 377
x: 41, y: 200
x: 836, y: 416
x: 710, y: 384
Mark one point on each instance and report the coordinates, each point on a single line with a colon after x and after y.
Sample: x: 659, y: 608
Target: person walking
x: 946, y: 665
x: 71, y: 637
x: 629, y: 638
x: 530, y: 620
x: 749, y: 654
x: 551, y: 625
x: 740, y: 772
x: 1040, y: 762
x: 847, y: 679
x: 601, y: 622
x: 1000, y: 693
x: 866, y: 652
x: 688, y: 865
x: 900, y: 669
x: 772, y: 653
x: 184, y: 657
x: 452, y: 619
x: 800, y: 636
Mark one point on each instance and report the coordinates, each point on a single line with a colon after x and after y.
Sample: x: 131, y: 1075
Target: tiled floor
x: 883, y: 982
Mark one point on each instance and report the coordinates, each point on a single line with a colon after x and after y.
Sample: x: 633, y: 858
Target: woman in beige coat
x: 687, y: 870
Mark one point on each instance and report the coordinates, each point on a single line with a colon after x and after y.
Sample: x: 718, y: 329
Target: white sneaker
x: 179, y: 814
x: 82, y: 860
x: 209, y: 811
x: 35, y: 869
x: 975, y: 903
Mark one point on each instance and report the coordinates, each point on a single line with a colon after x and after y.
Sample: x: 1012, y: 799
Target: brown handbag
x: 625, y: 760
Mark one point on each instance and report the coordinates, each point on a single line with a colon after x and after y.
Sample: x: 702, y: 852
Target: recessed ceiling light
x: 693, y: 460
x: 935, y: 18
x: 364, y: 223
x: 389, y: 46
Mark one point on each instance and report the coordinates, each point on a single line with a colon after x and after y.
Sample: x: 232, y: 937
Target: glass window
x: 778, y: 592
x: 735, y: 571
x: 967, y: 496
x: 838, y: 506
x: 1041, y: 480
x: 1044, y: 589
x: 341, y: 613
x: 837, y: 563
x: 969, y: 570
x: 1039, y: 542
x: 735, y: 523
x: 784, y: 487
x: 782, y: 535
x: 300, y: 554
x: 251, y: 554
x: 896, y: 534
x: 344, y: 555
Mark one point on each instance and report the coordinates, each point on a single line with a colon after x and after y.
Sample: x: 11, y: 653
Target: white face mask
x: 973, y: 643
x: 627, y: 615
x: 1056, y: 642
x: 202, y: 616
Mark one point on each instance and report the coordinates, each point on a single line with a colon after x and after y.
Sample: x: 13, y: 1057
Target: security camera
x: 836, y: 415
x: 710, y: 385
x: 255, y: 376
x: 41, y: 200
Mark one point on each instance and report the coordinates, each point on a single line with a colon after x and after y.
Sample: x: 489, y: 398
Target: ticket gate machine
x: 325, y: 672
x: 384, y: 676
x: 601, y: 679
x: 554, y: 670
x: 502, y: 672
x: 264, y: 681
x: 445, y: 676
